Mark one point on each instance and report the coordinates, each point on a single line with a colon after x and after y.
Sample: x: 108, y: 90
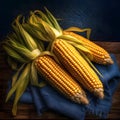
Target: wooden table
x: 28, y: 111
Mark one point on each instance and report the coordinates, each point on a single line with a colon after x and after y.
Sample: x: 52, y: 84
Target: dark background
x: 102, y: 16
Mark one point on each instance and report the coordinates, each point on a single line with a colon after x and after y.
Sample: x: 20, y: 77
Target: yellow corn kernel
x: 60, y: 79
x: 77, y: 67
x: 100, y: 55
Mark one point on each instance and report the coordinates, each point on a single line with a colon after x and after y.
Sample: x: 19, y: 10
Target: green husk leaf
x: 44, y: 31
x: 14, y: 54
x: 30, y: 44
x: 42, y: 16
x: 28, y: 40
x: 16, y: 35
x: 70, y: 38
x: 46, y: 53
x: 34, y: 20
x: 41, y: 84
x: 35, y: 34
x: 24, y: 80
x: 90, y: 63
x: 40, y: 45
x: 53, y: 21
x: 44, y: 27
x: 49, y: 19
x: 13, y: 36
x: 34, y: 76
x: 15, y: 76
x: 23, y: 51
x: 83, y: 49
x: 13, y: 89
x: 77, y: 29
x: 12, y: 63
x: 47, y: 31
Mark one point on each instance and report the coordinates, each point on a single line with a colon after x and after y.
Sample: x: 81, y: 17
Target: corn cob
x: 100, y: 55
x: 60, y: 79
x: 77, y: 66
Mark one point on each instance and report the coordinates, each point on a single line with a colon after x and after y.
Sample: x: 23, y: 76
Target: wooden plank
x: 29, y: 112
x: 112, y: 47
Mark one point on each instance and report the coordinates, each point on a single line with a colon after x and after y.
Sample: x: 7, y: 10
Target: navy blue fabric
x: 102, y: 16
x: 37, y: 100
x: 60, y: 104
x: 48, y: 98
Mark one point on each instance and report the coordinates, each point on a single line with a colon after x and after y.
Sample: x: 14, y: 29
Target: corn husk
x: 23, y: 50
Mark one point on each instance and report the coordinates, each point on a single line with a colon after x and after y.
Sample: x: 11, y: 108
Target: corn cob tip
x: 84, y: 100
x: 109, y: 60
x: 99, y: 93
x: 80, y: 98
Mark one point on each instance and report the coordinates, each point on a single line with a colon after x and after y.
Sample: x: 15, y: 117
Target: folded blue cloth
x: 38, y: 101
x: 48, y: 98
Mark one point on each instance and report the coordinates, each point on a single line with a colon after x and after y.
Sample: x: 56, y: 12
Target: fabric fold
x: 58, y: 103
x: 38, y: 101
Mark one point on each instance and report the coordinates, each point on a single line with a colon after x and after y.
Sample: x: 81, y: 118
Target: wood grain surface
x: 28, y: 111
